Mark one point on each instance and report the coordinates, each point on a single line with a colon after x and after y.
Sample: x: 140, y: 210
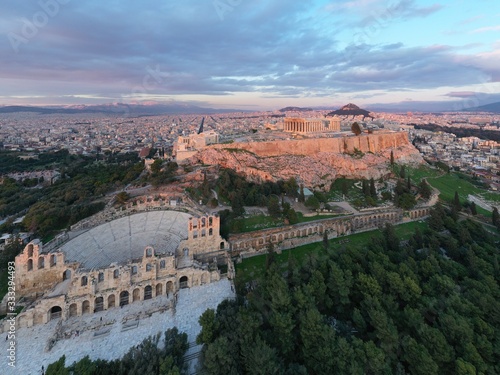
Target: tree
x: 424, y: 189
x: 273, y: 207
x: 392, y: 157
x: 402, y: 172
x: 325, y: 240
x: 156, y: 166
x: 408, y: 184
x: 344, y: 187
x: 495, y: 218
x: 373, y: 190
x: 473, y: 209
x: 312, y: 202
x: 456, y: 202
x: 292, y: 216
x: 356, y: 129
x: 302, y: 197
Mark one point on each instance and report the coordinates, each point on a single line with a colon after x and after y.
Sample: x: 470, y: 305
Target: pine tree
x: 392, y: 157
x: 473, y: 209
x: 373, y: 190
x: 302, y: 197
x: 495, y: 219
x: 456, y: 202
x: 325, y: 240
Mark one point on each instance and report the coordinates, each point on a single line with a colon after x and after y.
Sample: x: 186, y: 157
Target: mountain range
x: 119, y: 109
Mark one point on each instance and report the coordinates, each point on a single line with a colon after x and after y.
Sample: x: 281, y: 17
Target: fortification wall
x: 365, y: 143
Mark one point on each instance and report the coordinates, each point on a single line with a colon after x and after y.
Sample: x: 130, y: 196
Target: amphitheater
x: 130, y: 259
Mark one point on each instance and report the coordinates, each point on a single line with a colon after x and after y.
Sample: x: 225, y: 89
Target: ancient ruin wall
x: 349, y: 144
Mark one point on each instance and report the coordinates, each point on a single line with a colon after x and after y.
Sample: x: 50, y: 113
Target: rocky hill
x: 318, y: 162
x: 350, y: 110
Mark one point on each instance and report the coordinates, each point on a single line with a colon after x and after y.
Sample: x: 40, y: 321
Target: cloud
x: 486, y: 29
x: 163, y: 49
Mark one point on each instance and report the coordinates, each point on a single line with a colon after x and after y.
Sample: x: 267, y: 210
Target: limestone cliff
x: 317, y: 161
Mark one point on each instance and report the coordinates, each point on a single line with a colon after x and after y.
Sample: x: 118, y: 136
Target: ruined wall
x: 36, y: 271
x: 203, y: 237
x: 290, y: 236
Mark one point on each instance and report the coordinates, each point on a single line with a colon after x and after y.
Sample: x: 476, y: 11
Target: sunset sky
x: 250, y: 54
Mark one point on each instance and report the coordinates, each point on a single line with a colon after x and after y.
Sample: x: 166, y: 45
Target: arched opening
x: 85, y: 307
x: 186, y: 252
x: 221, y: 245
x: 30, y: 250
x: 73, y: 310
x: 136, y: 295
x: 41, y: 262
x: 100, y: 277
x: 210, y: 232
x: 67, y: 275
x: 85, y: 280
x: 183, y: 282
x: 55, y: 312
x: 99, y: 304
x: 149, y: 267
x: 134, y: 270
x: 148, y: 292
x: 30, y: 264
x: 124, y: 298
x: 111, y: 301
x: 116, y: 273
x: 162, y: 264
x: 170, y: 287
x: 159, y: 290
x: 149, y: 252
x: 53, y: 260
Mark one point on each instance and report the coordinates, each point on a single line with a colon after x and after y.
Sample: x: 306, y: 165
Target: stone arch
x: 98, y: 304
x: 124, y: 298
x: 116, y: 274
x: 221, y: 245
x: 148, y: 292
x: 111, y: 301
x: 41, y: 262
x: 85, y: 307
x: 73, y: 310
x: 169, y: 287
x: 55, y: 312
x: 30, y: 250
x: 183, y: 282
x: 149, y: 252
x: 53, y: 260
x: 30, y: 264
x: 136, y: 295
x: 67, y: 275
x: 149, y: 267
x: 280, y: 237
x: 210, y: 232
x: 159, y: 289
x: 162, y: 263
x: 85, y: 280
x: 203, y: 232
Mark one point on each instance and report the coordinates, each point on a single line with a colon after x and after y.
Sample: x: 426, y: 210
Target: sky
x: 253, y: 55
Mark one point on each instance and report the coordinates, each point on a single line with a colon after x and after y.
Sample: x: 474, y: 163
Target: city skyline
x: 255, y: 56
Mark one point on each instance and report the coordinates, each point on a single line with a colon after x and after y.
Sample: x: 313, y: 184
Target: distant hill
x: 350, y: 110
x: 295, y: 109
x: 118, y: 109
x: 492, y: 107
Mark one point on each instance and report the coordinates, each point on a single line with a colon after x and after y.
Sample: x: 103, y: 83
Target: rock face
x: 317, y: 162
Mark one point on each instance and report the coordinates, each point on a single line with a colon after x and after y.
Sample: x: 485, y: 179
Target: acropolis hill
x: 318, y: 161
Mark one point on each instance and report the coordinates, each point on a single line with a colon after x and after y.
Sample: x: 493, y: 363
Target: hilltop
x: 350, y: 110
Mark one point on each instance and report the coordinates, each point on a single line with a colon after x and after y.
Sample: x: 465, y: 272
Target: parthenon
x: 311, y: 125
